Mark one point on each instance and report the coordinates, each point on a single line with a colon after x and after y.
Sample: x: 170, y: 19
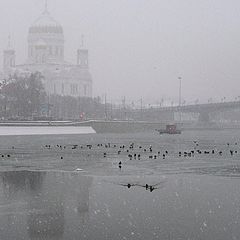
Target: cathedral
x: 46, y: 55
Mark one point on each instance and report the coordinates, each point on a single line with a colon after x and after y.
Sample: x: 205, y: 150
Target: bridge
x: 167, y: 113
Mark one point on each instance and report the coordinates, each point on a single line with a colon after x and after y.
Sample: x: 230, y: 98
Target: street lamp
x: 180, y: 90
x: 180, y: 97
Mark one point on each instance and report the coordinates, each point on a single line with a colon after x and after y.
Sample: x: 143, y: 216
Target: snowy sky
x: 139, y: 48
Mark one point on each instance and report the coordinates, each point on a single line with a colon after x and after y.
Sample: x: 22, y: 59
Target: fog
x: 139, y: 48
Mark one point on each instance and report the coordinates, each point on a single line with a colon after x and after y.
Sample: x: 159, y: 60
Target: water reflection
x: 68, y: 205
x: 42, y: 204
x: 21, y: 181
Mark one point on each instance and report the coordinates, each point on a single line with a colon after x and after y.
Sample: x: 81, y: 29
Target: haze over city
x: 139, y: 48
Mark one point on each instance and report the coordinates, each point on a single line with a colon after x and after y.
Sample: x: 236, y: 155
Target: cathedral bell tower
x: 8, y: 58
x: 82, y: 56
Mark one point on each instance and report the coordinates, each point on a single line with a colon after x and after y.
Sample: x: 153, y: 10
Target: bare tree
x: 22, y: 96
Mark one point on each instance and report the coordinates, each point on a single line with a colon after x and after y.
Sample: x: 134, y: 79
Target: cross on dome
x: 45, y: 20
x: 9, y: 41
x: 46, y: 7
x: 82, y: 39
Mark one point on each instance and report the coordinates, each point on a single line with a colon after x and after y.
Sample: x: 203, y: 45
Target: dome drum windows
x: 46, y: 29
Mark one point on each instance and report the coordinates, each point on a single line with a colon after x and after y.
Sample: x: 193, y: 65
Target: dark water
x: 50, y: 205
x: 193, y: 198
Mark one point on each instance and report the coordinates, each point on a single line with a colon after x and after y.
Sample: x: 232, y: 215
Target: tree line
x: 24, y: 98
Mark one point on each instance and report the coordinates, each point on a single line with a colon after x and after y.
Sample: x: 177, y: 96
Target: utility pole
x: 141, y: 101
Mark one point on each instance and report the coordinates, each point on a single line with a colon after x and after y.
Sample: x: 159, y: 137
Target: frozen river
x: 125, y: 186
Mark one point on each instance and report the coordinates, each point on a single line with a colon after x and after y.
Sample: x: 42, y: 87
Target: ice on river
x: 74, y: 187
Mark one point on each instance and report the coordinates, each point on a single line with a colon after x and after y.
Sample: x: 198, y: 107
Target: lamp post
x: 180, y: 90
x: 180, y: 97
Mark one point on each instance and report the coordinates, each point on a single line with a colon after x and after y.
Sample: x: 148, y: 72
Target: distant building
x: 46, y: 55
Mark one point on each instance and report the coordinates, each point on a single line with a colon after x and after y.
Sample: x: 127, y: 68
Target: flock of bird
x: 136, y: 151
x: 133, y: 151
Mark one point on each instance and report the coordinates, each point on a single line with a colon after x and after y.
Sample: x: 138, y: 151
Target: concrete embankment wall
x: 122, y: 127
x: 101, y: 126
x: 98, y: 125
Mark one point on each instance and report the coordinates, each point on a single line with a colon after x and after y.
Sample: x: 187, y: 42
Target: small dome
x: 45, y: 24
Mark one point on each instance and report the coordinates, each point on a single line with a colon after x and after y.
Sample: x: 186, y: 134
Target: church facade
x: 46, y: 55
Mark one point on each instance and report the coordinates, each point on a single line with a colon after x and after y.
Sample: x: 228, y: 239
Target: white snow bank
x: 44, y: 130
